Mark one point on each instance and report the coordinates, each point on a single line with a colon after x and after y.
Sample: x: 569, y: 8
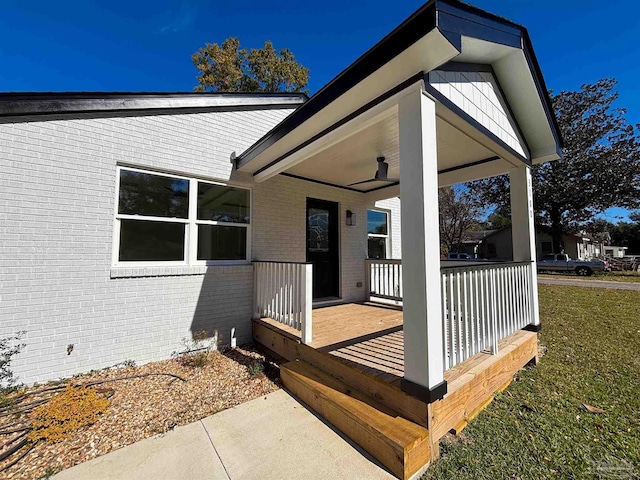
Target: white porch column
x: 422, y: 311
x: 523, y: 230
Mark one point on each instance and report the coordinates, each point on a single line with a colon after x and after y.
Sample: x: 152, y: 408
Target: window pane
x: 377, y: 247
x: 377, y: 222
x: 221, y: 242
x: 153, y: 195
x: 142, y: 240
x: 223, y: 204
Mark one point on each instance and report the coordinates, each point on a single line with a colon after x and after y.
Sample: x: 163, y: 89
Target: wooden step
x: 400, y: 445
x: 290, y: 348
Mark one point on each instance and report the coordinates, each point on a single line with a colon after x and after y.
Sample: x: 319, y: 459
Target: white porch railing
x: 384, y: 279
x: 283, y: 292
x: 482, y: 304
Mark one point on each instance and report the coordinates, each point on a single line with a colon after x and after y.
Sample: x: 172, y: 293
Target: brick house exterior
x: 57, y: 278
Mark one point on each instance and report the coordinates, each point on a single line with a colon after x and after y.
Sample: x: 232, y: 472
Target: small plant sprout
x: 9, y: 348
x: 255, y: 368
x: 197, y: 350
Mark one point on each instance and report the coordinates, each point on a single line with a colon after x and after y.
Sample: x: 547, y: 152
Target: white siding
x: 478, y: 94
x: 57, y: 189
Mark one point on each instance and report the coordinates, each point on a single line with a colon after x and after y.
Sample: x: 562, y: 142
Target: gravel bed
x: 148, y: 406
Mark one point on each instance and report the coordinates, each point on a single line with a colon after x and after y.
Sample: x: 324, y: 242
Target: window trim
x: 190, y: 257
x: 380, y: 235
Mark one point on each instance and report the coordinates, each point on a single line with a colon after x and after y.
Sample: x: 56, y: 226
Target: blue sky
x: 137, y: 45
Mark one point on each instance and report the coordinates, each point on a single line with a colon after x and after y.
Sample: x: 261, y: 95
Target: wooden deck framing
x: 361, y: 346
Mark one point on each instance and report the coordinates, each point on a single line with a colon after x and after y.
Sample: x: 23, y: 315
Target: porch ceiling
x: 354, y: 158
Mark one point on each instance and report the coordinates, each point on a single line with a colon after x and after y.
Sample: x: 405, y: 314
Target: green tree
x: 627, y: 234
x: 600, y: 230
x: 496, y: 220
x: 229, y: 68
x: 460, y: 212
x: 600, y: 169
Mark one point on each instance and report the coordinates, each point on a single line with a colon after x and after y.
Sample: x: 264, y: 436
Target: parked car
x: 560, y: 262
x: 459, y: 256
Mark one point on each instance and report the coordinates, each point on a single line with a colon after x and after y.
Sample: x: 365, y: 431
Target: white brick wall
x: 279, y: 225
x: 57, y: 189
x: 478, y: 94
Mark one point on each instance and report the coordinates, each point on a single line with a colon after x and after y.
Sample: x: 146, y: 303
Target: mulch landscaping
x: 160, y: 396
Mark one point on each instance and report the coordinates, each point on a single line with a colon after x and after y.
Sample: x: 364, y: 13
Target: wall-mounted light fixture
x: 351, y: 218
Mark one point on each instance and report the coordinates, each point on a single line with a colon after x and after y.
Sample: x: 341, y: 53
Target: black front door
x: 322, y: 247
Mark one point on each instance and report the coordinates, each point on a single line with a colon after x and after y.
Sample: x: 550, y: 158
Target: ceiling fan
x: 381, y: 174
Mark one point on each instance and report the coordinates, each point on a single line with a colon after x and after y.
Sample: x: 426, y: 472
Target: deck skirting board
x: 471, y: 392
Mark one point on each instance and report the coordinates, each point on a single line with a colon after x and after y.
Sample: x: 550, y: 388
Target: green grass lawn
x: 539, y: 428
x: 633, y: 277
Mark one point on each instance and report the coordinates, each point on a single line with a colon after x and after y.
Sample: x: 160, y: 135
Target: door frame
x: 338, y: 257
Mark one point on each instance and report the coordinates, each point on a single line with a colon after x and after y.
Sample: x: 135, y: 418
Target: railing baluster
x: 520, y: 297
x: 287, y: 295
x: 294, y: 296
x: 465, y: 317
x: 494, y: 312
x: 453, y: 358
x: 445, y: 329
x: 516, y: 297
x: 485, y: 301
x: 509, y: 298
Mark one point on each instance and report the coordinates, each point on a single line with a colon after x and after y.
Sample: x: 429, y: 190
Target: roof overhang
x: 27, y: 106
x: 439, y: 33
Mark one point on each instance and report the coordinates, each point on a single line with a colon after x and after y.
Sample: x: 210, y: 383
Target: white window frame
x: 387, y: 244
x: 191, y: 223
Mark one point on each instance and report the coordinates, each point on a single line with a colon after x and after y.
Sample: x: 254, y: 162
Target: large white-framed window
x: 378, y: 234
x: 166, y: 219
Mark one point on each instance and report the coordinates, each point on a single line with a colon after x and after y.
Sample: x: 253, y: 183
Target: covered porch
x: 450, y: 124
x: 452, y: 95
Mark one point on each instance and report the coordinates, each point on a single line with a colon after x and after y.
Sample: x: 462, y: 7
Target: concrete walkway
x: 584, y: 282
x: 272, y: 437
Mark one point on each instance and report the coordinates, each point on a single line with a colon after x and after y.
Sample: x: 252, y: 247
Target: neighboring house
x: 498, y: 245
x: 130, y: 221
x: 613, y: 251
x: 472, y: 243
